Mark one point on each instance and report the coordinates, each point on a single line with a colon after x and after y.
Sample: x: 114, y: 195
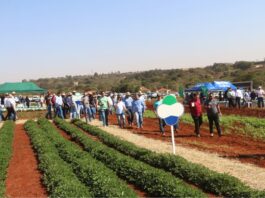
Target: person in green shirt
x: 104, y: 109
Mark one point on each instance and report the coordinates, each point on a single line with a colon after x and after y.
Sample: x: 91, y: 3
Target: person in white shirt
x: 10, y: 105
x: 59, y: 105
x: 239, y: 97
x: 260, y: 94
x: 120, y: 109
x: 231, y: 97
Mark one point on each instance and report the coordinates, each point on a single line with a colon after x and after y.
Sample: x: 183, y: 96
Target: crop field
x: 83, y: 160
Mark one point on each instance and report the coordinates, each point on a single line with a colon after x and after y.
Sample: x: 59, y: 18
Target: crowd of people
x: 239, y: 98
x: 73, y: 106
x: 129, y: 108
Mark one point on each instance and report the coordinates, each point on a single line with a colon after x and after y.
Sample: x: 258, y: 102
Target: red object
x: 195, y: 107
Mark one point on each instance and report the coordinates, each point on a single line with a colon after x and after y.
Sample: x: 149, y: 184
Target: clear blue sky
x: 49, y: 38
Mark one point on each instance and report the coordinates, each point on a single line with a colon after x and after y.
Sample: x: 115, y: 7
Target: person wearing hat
x: 213, y: 113
x: 128, y: 104
x: 260, y: 94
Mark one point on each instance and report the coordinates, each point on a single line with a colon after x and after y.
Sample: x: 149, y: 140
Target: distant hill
x: 156, y: 79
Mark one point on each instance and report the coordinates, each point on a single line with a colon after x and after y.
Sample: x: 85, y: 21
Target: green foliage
x: 58, y: 177
x: 6, y: 139
x: 101, y: 181
x: 209, y: 181
x: 155, y: 182
x: 156, y: 79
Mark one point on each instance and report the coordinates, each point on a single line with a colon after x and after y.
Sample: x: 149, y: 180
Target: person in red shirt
x: 196, y: 112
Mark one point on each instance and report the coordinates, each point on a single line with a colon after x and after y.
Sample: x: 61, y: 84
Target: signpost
x: 170, y: 110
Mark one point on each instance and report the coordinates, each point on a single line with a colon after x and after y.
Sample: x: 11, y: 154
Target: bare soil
x: 23, y: 177
x: 231, y: 145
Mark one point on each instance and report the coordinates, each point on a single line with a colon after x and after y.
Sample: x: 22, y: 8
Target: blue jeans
x: 104, y: 114
x: 162, y: 125
x: 130, y: 115
x: 49, y: 112
x: 73, y: 112
x: 59, y: 111
x: 260, y: 102
x: 139, y: 119
x: 1, y: 115
x: 88, y: 112
x: 121, y: 120
x: 93, y: 112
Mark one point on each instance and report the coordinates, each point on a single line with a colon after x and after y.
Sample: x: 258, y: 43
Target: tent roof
x: 213, y: 86
x: 21, y: 87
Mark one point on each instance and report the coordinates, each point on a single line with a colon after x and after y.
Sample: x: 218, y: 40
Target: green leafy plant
x: 6, y: 139
x: 155, y: 182
x: 58, y: 177
x: 102, y: 181
x: 206, y: 179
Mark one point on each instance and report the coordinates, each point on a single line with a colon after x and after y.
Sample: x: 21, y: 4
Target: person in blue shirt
x: 138, y: 108
x: 128, y: 104
x: 161, y: 121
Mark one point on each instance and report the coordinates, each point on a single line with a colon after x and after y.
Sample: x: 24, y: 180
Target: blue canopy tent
x: 213, y: 86
x: 223, y: 85
x: 201, y: 86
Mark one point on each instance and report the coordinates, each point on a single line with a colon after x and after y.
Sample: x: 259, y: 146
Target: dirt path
x: 23, y: 177
x: 250, y: 174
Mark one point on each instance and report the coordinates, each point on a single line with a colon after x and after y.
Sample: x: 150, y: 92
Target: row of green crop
x: 208, y: 180
x: 6, y: 139
x: 155, y: 182
x: 250, y: 126
x: 101, y: 181
x: 58, y: 177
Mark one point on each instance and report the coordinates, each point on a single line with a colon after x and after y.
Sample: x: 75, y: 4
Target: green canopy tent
x: 21, y: 87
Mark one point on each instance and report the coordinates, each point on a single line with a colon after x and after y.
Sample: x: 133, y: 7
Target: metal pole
x: 173, y: 139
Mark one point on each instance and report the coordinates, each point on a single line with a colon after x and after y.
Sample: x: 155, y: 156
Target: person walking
x: 231, y: 97
x: 104, y: 109
x: 120, y: 110
x: 239, y: 97
x: 138, y: 109
x: 213, y: 113
x: 93, y: 103
x: 59, y: 105
x: 48, y: 101
x: 128, y: 104
x: 260, y: 95
x: 161, y: 121
x: 87, y: 110
x: 196, y: 112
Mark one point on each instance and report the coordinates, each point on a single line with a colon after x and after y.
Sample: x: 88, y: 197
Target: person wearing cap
x: 161, y: 121
x: 213, y: 113
x: 104, y: 106
x: 128, y: 104
x: 260, y: 95
x: 138, y: 109
x: 196, y: 112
